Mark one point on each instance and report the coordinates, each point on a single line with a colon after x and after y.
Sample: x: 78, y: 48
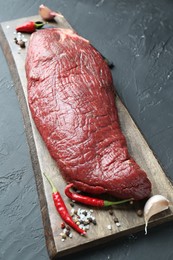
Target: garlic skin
x: 154, y: 205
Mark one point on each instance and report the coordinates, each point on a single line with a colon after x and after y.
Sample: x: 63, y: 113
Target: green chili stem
x: 54, y: 189
x: 39, y: 25
x: 110, y: 203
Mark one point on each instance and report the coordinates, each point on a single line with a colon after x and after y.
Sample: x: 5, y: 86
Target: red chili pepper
x: 62, y: 209
x: 29, y: 27
x: 91, y: 201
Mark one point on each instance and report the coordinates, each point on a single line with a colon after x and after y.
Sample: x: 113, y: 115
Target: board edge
x: 50, y: 243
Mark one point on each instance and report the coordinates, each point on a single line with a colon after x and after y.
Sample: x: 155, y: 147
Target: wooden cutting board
x: 42, y: 162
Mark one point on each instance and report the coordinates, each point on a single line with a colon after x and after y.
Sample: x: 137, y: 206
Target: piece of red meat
x: 72, y: 101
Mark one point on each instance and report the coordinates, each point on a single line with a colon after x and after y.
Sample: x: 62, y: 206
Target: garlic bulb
x: 154, y: 205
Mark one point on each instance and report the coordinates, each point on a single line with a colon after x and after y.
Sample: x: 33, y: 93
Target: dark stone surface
x: 137, y: 36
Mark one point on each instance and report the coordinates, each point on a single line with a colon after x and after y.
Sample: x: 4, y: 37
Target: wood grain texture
x: 42, y: 162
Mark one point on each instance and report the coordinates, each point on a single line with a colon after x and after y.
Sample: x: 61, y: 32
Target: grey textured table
x: 137, y: 36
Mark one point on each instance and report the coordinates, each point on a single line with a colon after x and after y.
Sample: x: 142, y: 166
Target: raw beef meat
x: 72, y: 101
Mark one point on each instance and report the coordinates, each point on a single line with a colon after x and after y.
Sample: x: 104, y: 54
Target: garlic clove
x: 154, y: 205
x: 46, y: 13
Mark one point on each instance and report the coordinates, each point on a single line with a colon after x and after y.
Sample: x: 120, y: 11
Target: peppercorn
x: 116, y: 220
x: 71, y: 204
x: 111, y: 212
x: 94, y: 221
x: 22, y: 44
x: 67, y: 227
x: 64, y: 236
x: 139, y: 212
x: 67, y: 232
x: 62, y: 225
